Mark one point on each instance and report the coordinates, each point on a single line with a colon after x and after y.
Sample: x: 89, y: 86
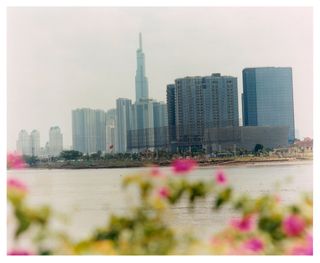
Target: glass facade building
x: 268, y: 98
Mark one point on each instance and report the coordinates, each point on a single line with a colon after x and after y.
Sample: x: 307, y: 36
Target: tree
x: 258, y: 148
x: 31, y: 160
x: 70, y: 155
x: 96, y: 156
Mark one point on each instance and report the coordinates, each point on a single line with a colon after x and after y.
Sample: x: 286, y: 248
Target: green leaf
x: 23, y: 222
x: 272, y: 226
x: 223, y: 197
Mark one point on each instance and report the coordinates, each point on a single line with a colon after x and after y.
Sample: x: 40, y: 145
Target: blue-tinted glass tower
x: 268, y: 98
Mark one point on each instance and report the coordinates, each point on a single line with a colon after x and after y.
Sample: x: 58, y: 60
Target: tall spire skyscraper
x: 142, y: 91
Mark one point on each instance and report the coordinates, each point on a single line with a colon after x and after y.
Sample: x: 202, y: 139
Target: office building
x: 220, y: 101
x: 24, y: 143
x: 268, y: 98
x: 122, y: 124
x: 171, y: 111
x: 141, y: 132
x: 160, y: 114
x: 196, y: 103
x: 88, y: 130
x: 55, y: 145
x: 100, y: 130
x: 28, y: 144
x: 35, y: 143
x: 160, y: 117
x: 47, y: 149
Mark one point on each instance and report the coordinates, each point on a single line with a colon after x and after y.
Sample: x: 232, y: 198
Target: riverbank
x: 103, y: 164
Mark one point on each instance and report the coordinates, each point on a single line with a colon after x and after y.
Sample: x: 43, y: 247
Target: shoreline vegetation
x: 103, y: 164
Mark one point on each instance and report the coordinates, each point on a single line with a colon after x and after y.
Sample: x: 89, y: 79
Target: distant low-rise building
x: 301, y: 148
x: 246, y: 137
x: 305, y: 144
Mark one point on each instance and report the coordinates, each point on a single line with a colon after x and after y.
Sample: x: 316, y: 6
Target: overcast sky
x: 60, y: 59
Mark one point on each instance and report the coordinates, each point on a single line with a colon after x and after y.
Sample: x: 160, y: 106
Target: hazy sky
x: 60, y: 59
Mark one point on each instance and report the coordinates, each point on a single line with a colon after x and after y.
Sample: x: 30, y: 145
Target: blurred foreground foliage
x: 264, y: 225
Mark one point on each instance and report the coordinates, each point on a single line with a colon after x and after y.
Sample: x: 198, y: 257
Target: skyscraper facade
x: 160, y: 118
x: 29, y: 144
x: 142, y: 126
x: 189, y: 111
x: 142, y: 114
x: 220, y: 101
x: 35, y: 143
x: 160, y: 114
x: 88, y: 130
x: 268, y: 98
x: 24, y: 143
x: 110, y: 130
x: 100, y: 130
x: 123, y: 124
x: 141, y: 81
x: 196, y: 103
x: 171, y: 111
x: 55, y: 141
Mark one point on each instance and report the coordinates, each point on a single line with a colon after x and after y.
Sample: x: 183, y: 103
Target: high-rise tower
x: 268, y: 98
x: 141, y: 79
x: 88, y: 130
x: 55, y: 141
x: 122, y: 124
x: 196, y: 104
x: 35, y: 143
x: 24, y: 143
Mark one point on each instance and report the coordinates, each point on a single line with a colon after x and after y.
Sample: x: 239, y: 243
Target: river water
x: 88, y: 196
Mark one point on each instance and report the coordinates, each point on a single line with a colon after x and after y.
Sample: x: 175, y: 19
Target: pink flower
x: 293, y: 225
x: 277, y: 199
x: 19, y: 252
x: 254, y: 244
x: 155, y: 171
x: 221, y: 178
x: 163, y: 192
x: 244, y: 224
x: 15, y: 161
x: 302, y: 250
x: 305, y: 249
x: 183, y: 165
x: 17, y: 185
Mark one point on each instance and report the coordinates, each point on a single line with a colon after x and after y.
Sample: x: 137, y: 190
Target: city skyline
x: 155, y: 46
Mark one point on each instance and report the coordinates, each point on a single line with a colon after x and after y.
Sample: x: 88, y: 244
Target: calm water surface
x: 88, y: 196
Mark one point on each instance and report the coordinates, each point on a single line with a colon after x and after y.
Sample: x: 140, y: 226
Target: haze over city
x: 60, y: 59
